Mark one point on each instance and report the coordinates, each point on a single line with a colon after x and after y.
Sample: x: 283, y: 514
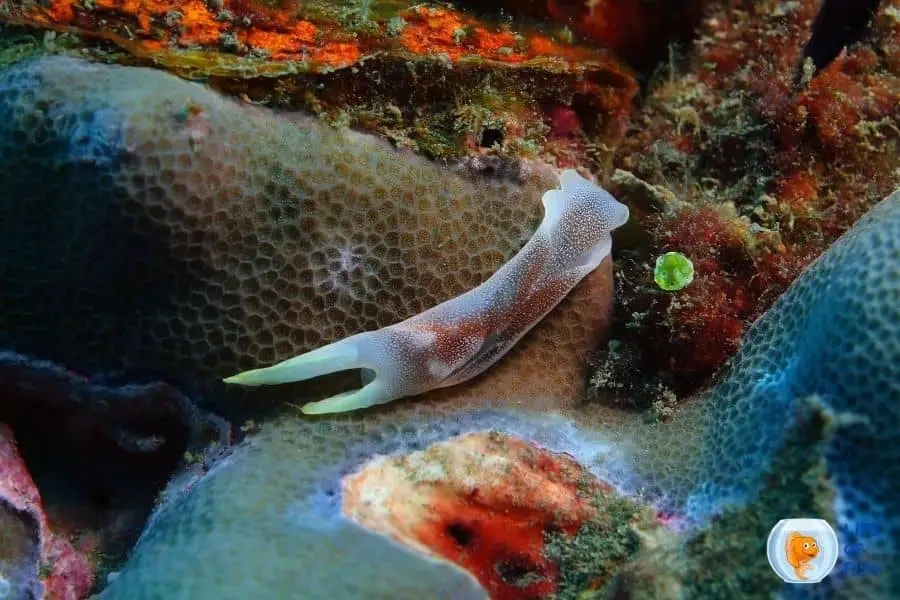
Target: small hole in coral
x: 585, y: 109
x: 489, y: 137
x: 460, y: 533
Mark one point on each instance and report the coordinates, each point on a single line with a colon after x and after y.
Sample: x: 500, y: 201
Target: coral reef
x: 500, y: 507
x: 832, y: 337
x: 318, y: 35
x: 812, y: 153
x: 173, y: 236
x: 431, y: 79
x: 460, y: 338
x: 285, y: 493
x: 223, y: 237
x: 34, y: 562
x: 749, y: 173
x: 811, y: 359
x: 726, y: 557
x: 805, y: 423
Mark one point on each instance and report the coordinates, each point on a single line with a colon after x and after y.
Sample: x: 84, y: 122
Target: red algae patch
x: 486, y: 501
x: 751, y: 164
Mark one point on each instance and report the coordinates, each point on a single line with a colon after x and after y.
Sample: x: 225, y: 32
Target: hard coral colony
x: 484, y: 411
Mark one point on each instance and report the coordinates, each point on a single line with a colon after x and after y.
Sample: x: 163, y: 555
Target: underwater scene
x: 471, y: 300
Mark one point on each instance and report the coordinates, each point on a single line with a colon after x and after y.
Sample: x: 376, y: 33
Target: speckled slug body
x: 462, y: 337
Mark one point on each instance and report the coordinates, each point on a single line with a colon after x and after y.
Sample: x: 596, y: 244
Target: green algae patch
x: 673, y: 272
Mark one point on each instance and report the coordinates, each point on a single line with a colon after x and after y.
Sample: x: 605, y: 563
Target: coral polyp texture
x: 292, y: 509
x: 804, y: 424
x: 829, y: 345
x: 156, y: 232
x: 182, y: 236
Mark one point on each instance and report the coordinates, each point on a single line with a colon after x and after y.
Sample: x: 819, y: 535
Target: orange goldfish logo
x: 800, y: 550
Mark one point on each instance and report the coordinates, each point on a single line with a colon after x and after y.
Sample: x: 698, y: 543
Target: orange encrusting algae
x: 198, y: 25
x: 337, y: 54
x: 432, y: 31
x: 443, y: 31
x: 484, y: 501
x: 280, y: 35
x: 62, y: 11
x: 281, y: 44
x: 142, y: 10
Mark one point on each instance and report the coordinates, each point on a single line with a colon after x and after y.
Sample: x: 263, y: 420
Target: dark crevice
x: 462, y: 534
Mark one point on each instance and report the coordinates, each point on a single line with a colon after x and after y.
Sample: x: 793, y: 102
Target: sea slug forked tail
x: 460, y: 338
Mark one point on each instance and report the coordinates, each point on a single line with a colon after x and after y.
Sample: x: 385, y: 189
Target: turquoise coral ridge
x: 266, y: 521
x: 834, y: 336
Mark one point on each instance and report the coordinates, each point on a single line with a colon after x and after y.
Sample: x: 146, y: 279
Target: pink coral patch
x: 70, y: 576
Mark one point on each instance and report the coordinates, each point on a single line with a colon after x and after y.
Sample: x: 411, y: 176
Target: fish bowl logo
x: 802, y: 550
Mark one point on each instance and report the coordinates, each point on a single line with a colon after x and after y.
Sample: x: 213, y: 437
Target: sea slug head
x: 578, y: 220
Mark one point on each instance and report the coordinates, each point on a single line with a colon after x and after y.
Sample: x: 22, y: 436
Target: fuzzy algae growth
x: 589, y: 559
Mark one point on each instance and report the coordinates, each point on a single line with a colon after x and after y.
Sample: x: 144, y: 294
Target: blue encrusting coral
x: 830, y: 345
